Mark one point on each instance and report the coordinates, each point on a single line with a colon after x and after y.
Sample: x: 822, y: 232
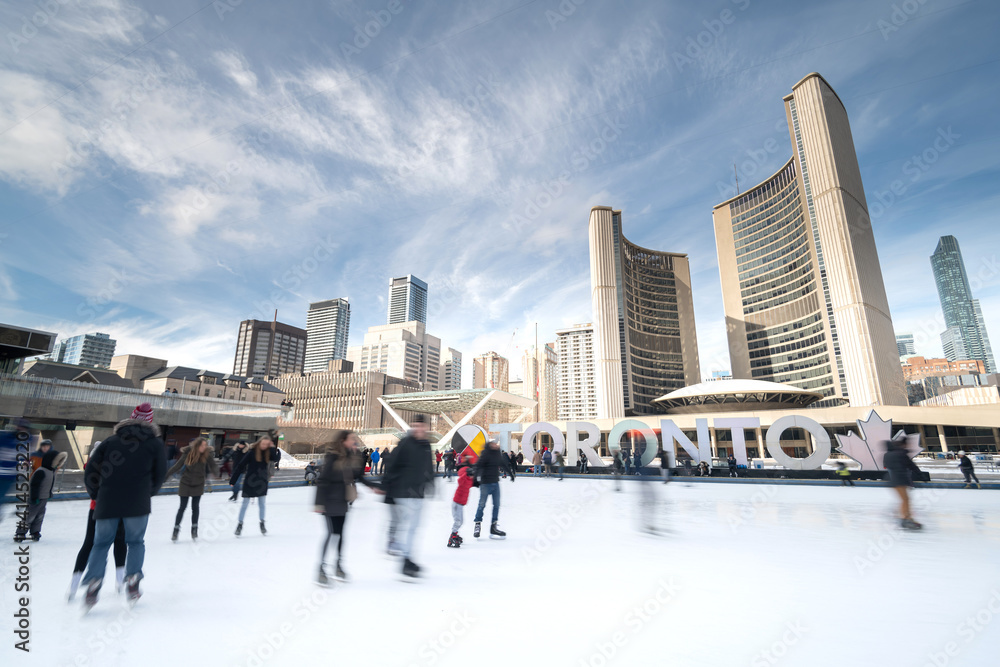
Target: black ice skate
x: 132, y: 593
x: 35, y: 537
x: 263, y: 530
x: 339, y: 574
x: 239, y: 528
x: 321, y: 578
x: 476, y: 532
x: 194, y: 532
x: 910, y: 524
x: 410, y: 569
x: 454, y: 541
x: 177, y: 530
x: 496, y: 533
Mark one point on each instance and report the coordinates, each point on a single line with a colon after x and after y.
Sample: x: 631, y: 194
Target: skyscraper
x: 490, y: 371
x: 577, y: 397
x: 801, y: 282
x: 94, y: 350
x: 644, y: 333
x: 905, y: 344
x: 407, y: 300
x: 269, y: 349
x: 451, y: 369
x: 327, y: 327
x: 540, y: 370
x: 962, y: 314
x: 403, y: 350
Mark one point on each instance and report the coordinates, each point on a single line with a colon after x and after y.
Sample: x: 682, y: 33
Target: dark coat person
x: 257, y: 472
x: 409, y: 472
x: 193, y: 476
x: 126, y: 470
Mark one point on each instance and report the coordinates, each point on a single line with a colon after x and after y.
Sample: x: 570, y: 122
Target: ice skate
x: 453, y: 541
x: 93, y: 591
x: 411, y: 571
x: 239, y: 528
x: 321, y: 577
x: 910, y: 524
x: 74, y: 584
x: 119, y: 580
x: 177, y: 530
x: 35, y: 537
x: 496, y: 533
x: 194, y: 532
x: 339, y: 574
x: 479, y: 526
x: 263, y: 530
x: 132, y: 590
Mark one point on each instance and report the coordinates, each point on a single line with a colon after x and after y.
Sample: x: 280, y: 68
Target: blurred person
x: 408, y: 478
x: 336, y: 490
x: 382, y: 459
x: 44, y: 447
x: 39, y: 492
x: 487, y: 472
x: 536, y: 463
x: 732, y: 466
x: 507, y: 460
x: 257, y: 465
x: 449, y: 462
x: 547, y: 461
x: 637, y: 461
x: 236, y: 455
x: 122, y: 475
x: 704, y: 470
x: 560, y: 464
x: 968, y: 470
x: 520, y: 458
x: 374, y: 457
x: 664, y: 465
x: 627, y: 462
x: 900, y: 469
x: 459, y: 501
x: 311, y: 473
x: 616, y: 468
x: 438, y: 456
x: 195, y: 462
x: 581, y: 464
x: 844, y: 474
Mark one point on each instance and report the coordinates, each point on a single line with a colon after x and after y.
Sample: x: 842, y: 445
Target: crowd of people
x: 128, y: 468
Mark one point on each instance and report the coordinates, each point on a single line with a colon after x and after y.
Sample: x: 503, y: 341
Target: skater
x: 520, y: 458
x: 560, y: 464
x: 39, y: 492
x: 547, y: 461
x: 122, y: 475
x: 965, y: 465
x: 409, y: 476
x: 487, y: 472
x: 194, y: 464
x: 382, y: 460
x: 311, y: 473
x: 336, y: 489
x: 536, y: 463
x: 845, y: 474
x: 665, y: 465
x: 44, y: 447
x: 616, y: 468
x: 449, y: 462
x: 507, y: 460
x: 438, y: 456
x: 732, y: 466
x: 582, y: 463
x: 236, y: 454
x: 459, y: 501
x: 900, y: 469
x: 374, y: 459
x: 257, y: 465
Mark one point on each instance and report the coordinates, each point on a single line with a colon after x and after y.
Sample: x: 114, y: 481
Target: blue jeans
x: 537, y: 469
x: 486, y: 491
x: 409, y: 520
x: 261, y: 507
x: 237, y: 487
x: 104, y: 536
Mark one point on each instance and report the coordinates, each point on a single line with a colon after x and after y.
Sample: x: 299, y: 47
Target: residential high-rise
x: 490, y: 371
x: 93, y: 350
x: 540, y: 371
x: 801, y: 282
x: 905, y: 344
x: 269, y: 349
x: 962, y: 314
x: 451, y: 369
x: 403, y: 350
x: 577, y: 398
x: 644, y: 333
x: 407, y: 300
x: 327, y: 327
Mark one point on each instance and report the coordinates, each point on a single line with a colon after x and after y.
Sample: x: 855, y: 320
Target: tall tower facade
x: 269, y: 349
x: 801, y: 281
x: 962, y: 314
x: 645, y: 343
x: 407, y: 300
x: 540, y: 370
x: 451, y: 369
x: 95, y: 350
x: 327, y: 326
x: 490, y: 371
x: 576, y: 384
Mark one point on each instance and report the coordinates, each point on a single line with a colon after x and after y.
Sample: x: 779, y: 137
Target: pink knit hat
x: 143, y: 411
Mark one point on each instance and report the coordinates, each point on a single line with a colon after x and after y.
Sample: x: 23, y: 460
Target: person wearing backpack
x: 547, y: 461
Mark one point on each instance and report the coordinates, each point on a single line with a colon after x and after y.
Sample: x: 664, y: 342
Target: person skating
x: 968, y: 470
x: 194, y: 463
x: 44, y: 447
x: 637, y: 461
x: 311, y: 473
x: 900, y: 469
x: 536, y: 463
x: 39, y: 492
x: 257, y: 466
x: 449, y: 462
x: 459, y: 501
x: 665, y: 465
x: 125, y: 472
x: 408, y: 477
x: 375, y: 456
x: 487, y: 472
x: 844, y: 473
x: 438, y: 457
x: 560, y: 464
x: 731, y: 460
x: 236, y: 454
x: 382, y: 460
x: 336, y: 489
x: 547, y: 461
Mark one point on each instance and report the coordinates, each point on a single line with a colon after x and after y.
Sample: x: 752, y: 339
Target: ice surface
x: 813, y: 575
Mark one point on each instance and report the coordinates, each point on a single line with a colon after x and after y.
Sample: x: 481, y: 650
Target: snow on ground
x: 745, y: 575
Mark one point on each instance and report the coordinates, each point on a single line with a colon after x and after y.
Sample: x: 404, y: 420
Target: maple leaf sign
x: 868, y: 448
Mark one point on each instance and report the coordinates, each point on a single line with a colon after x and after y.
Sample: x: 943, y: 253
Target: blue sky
x: 168, y: 169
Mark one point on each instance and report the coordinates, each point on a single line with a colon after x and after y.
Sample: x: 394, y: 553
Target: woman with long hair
x: 193, y: 464
x: 256, y: 463
x: 336, y: 489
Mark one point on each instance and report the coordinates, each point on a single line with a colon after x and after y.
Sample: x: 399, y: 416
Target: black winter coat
x: 257, y: 472
x: 126, y: 470
x: 487, y: 468
x: 337, y: 474
x: 409, y: 473
x: 900, y: 466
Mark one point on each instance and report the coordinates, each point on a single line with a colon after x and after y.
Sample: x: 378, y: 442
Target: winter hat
x: 44, y: 442
x: 961, y: 453
x: 143, y: 412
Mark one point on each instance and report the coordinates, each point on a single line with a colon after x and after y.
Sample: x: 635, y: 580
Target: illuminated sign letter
x: 623, y: 427
x: 528, y: 439
x: 503, y: 432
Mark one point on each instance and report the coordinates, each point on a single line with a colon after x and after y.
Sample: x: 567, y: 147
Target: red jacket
x: 464, y: 484
x: 438, y: 456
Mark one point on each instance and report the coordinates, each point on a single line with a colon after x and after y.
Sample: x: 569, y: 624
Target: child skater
x: 465, y: 483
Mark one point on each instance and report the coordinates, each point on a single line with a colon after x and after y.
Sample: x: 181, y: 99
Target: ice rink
x: 741, y: 574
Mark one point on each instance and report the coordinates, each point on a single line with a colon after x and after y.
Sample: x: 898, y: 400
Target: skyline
x: 415, y: 137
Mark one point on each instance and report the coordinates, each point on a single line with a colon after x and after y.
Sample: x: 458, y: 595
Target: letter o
x: 378, y: 29
x: 528, y: 438
x: 707, y: 42
x: 626, y: 425
x: 821, y: 443
x: 265, y: 648
x: 544, y: 200
x: 930, y: 155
